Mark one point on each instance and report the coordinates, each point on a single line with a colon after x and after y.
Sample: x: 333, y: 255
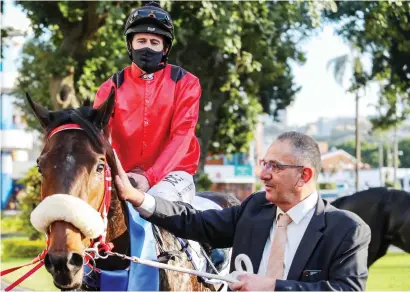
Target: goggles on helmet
x: 158, y: 15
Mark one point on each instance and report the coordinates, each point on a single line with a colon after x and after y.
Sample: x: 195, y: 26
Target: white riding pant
x: 176, y: 186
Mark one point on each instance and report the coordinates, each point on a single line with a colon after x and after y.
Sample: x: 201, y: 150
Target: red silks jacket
x: 154, y: 119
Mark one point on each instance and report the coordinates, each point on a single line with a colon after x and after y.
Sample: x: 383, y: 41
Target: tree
x: 358, y: 81
x: 240, y: 51
x: 382, y: 29
x: 76, y: 46
x: 369, y: 151
x: 31, y: 198
x: 404, y: 146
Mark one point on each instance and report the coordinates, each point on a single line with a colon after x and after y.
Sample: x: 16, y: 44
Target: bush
x: 11, y: 224
x: 21, y: 248
x: 202, y: 182
x: 31, y: 198
x: 327, y: 186
x: 390, y: 184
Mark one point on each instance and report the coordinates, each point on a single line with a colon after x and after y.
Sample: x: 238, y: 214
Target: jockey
x: 152, y: 128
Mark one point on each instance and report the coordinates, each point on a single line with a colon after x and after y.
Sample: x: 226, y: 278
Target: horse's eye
x: 100, y: 167
x: 38, y: 166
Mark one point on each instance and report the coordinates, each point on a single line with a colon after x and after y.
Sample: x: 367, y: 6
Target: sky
x: 320, y: 95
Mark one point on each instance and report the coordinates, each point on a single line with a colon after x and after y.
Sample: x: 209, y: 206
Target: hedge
x: 21, y: 248
x: 11, y: 224
x: 327, y: 186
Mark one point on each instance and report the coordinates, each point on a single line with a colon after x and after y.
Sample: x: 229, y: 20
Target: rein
x: 97, y: 246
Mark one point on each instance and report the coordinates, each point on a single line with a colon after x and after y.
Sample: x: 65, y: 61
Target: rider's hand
x: 140, y: 181
x: 125, y: 190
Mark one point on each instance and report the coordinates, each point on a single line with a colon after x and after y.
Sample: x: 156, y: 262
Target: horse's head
x: 73, y: 164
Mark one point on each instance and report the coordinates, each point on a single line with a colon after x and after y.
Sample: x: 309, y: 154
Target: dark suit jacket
x: 335, y: 242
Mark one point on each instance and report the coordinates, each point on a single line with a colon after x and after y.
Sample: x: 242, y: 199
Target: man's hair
x: 305, y: 149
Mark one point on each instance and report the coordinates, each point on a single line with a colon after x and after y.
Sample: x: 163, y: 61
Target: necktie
x: 277, y: 253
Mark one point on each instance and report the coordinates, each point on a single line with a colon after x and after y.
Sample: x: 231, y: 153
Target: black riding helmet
x: 150, y: 18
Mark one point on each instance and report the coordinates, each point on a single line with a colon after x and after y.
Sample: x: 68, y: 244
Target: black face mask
x: 148, y: 59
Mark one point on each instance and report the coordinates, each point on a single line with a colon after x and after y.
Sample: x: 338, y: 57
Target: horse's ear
x: 41, y: 113
x: 105, y: 110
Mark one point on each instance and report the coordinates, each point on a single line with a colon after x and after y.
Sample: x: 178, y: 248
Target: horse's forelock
x: 83, y: 116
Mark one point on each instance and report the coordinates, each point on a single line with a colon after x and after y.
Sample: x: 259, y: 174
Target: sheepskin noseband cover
x: 61, y: 207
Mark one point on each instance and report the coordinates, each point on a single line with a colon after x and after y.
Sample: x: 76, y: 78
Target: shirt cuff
x: 147, y: 207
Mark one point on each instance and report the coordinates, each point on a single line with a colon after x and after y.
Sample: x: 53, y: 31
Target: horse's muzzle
x: 66, y: 269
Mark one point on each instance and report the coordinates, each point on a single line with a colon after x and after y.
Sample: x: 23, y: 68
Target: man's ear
x: 104, y: 111
x: 305, y: 176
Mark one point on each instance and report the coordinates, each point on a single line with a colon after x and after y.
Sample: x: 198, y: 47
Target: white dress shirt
x: 147, y: 207
x: 301, y: 215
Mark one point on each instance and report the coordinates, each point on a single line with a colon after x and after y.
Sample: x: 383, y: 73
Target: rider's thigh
x: 176, y: 186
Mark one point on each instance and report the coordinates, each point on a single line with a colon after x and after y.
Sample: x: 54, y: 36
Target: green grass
x: 41, y: 280
x: 390, y: 273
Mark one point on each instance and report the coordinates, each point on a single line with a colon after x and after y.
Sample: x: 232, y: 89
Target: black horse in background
x: 387, y: 212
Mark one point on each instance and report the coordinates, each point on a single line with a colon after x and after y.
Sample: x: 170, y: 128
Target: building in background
x: 233, y: 174
x: 19, y: 148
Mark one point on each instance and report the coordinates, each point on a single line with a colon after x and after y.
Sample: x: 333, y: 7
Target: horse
x: 73, y: 164
x: 387, y: 212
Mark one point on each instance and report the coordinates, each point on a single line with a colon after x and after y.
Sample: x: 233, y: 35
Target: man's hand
x: 140, y: 180
x: 125, y: 190
x: 251, y: 282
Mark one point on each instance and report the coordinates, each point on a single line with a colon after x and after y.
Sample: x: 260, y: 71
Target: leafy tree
x: 358, y: 81
x: 369, y: 151
x: 241, y: 52
x: 32, y: 187
x: 382, y: 29
x: 404, y: 146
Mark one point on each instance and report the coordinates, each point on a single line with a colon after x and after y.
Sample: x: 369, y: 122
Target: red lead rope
x: 103, y: 209
x: 39, y: 259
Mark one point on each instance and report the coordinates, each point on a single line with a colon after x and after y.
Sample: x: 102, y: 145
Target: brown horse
x: 73, y: 162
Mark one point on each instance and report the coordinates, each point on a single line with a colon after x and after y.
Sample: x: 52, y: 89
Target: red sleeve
x: 182, y: 130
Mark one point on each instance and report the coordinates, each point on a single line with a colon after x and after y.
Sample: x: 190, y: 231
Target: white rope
x: 231, y: 278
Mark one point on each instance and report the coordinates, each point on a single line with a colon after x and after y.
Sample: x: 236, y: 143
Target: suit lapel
x: 308, y: 242
x: 261, y: 226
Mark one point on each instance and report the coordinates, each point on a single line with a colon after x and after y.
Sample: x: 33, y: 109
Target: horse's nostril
x: 76, y: 260
x: 47, y: 262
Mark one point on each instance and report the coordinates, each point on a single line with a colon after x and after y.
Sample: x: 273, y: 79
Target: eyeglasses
x: 276, y: 167
x: 160, y: 16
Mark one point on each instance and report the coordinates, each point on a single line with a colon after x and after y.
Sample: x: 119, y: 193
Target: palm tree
x: 357, y: 81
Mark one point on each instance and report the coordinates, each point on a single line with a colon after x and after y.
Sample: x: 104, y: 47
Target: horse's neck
x: 116, y: 218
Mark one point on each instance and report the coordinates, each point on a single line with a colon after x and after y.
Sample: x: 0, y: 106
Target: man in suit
x: 295, y: 240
